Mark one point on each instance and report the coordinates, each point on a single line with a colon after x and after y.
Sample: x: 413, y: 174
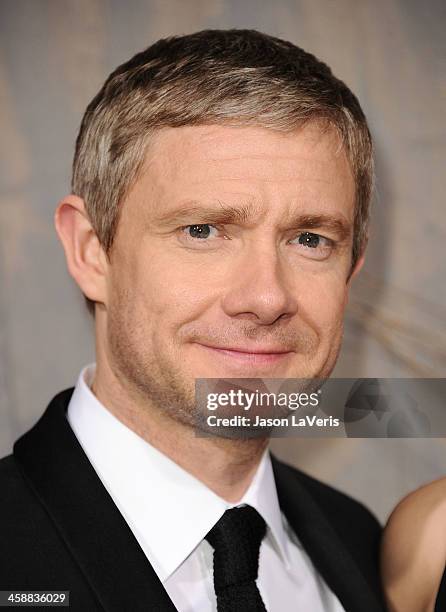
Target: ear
x: 86, y: 260
x: 356, y: 270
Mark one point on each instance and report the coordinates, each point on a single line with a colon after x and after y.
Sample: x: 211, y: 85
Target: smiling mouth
x: 252, y: 356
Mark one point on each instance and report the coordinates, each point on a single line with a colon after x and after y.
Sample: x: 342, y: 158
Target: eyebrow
x: 223, y: 214
x: 244, y: 213
x: 331, y: 223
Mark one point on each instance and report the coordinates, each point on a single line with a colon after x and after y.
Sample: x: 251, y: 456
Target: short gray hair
x: 231, y: 77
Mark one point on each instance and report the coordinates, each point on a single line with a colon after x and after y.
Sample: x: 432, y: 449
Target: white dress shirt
x: 169, y: 512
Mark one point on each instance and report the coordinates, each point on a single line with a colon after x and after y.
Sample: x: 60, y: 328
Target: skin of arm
x: 413, y: 551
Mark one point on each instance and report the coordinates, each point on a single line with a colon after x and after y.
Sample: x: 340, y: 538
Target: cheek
x: 322, y: 303
x: 166, y: 294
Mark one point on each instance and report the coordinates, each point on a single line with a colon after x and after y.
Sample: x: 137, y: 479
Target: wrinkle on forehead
x: 265, y: 166
x: 218, y: 143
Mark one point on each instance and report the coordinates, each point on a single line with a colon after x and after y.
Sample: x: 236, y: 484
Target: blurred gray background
x: 54, y: 56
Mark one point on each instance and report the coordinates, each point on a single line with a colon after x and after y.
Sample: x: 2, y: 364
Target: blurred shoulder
x: 413, y: 551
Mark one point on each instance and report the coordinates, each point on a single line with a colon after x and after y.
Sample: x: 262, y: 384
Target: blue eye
x: 200, y: 231
x: 314, y: 246
x: 312, y: 241
x: 309, y: 240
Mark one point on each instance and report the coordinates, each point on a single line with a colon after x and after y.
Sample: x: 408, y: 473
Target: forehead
x: 248, y: 163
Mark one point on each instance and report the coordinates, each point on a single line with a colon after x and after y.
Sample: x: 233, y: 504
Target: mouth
x: 250, y: 356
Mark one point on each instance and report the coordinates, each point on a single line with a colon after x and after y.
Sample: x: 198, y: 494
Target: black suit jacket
x: 59, y: 529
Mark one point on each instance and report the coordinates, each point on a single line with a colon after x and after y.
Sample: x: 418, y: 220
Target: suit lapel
x: 323, y: 545
x: 86, y: 517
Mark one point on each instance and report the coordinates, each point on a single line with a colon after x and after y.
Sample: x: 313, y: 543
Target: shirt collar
x: 168, y: 509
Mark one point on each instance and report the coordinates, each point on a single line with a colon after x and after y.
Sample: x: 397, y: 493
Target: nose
x: 259, y: 288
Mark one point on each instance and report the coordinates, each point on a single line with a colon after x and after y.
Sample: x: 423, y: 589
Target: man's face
x: 231, y: 260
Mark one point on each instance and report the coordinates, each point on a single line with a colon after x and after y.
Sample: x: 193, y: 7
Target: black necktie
x: 236, y: 540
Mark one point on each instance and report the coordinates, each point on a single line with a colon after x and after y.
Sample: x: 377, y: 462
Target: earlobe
x: 85, y: 258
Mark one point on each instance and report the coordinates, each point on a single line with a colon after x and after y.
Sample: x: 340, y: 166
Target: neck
x: 226, y: 466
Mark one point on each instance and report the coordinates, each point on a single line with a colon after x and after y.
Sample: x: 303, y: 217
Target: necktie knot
x: 236, y: 540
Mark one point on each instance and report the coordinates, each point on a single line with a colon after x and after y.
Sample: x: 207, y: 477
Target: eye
x: 310, y: 240
x: 313, y: 245
x: 200, y: 231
